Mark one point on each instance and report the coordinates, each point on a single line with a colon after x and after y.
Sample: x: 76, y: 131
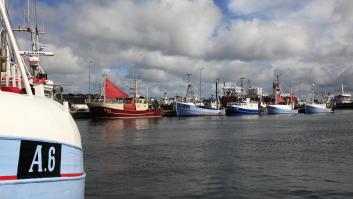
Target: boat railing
x: 236, y: 103
x: 110, y: 101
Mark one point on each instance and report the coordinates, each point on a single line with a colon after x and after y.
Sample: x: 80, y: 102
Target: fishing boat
x: 343, y: 100
x: 41, y: 152
x: 280, y: 109
x: 343, y: 97
x: 280, y: 105
x: 314, y: 107
x: 191, y: 106
x: 242, y: 108
x: 115, y: 103
x: 191, y: 109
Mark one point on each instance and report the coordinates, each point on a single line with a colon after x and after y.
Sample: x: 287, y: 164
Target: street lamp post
x: 89, y: 79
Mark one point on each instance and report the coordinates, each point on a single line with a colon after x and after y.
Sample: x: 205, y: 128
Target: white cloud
x: 64, y: 61
x: 173, y: 27
x: 257, y: 39
x: 162, y: 40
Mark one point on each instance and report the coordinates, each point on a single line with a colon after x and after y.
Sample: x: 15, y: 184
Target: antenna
x: 135, y: 89
x: 276, y: 74
x: 27, y: 18
x: 217, y: 81
x: 188, y: 77
x: 313, y: 92
x: 200, y: 81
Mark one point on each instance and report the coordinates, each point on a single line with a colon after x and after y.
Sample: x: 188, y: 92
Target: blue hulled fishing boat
x: 317, y: 108
x: 281, y: 106
x: 313, y: 107
x: 242, y: 108
x: 192, y: 106
x: 281, y: 109
x: 190, y: 109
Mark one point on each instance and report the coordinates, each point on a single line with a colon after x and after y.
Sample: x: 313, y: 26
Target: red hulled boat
x: 115, y: 103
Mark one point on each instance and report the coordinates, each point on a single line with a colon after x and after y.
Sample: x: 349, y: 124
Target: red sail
x: 113, y: 92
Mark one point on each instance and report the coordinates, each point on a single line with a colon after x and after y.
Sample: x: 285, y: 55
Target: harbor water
x: 277, y: 156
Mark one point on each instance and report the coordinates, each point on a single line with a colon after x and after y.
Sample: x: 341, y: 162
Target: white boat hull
x: 280, y: 109
x: 40, y: 149
x: 190, y: 109
x: 317, y: 108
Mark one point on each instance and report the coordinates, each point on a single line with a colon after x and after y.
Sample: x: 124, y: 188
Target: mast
x: 147, y: 94
x: 200, y: 83
x: 276, y: 88
x: 313, y: 93
x: 104, y: 86
x: 135, y: 88
x: 190, y: 90
x: 36, y: 48
x: 291, y: 95
x: 89, y: 78
x: 15, y: 48
x: 242, y: 86
x: 217, y: 91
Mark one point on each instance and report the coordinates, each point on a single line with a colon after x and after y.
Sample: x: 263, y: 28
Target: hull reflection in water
x: 115, y: 131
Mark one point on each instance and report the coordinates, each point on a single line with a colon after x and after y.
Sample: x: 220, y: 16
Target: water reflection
x: 283, y: 156
x: 117, y: 130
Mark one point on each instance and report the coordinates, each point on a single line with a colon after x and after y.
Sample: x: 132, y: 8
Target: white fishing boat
x: 280, y: 109
x: 192, y: 106
x: 280, y: 106
x: 190, y: 109
x: 343, y: 97
x: 314, y: 107
x: 40, y: 144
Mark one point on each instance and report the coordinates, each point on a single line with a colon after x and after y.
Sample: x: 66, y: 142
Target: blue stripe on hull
x: 189, y: 110
x: 42, y: 189
x: 272, y: 110
x: 312, y: 109
x: 240, y: 111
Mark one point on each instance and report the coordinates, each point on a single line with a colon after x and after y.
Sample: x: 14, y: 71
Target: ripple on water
x: 220, y: 157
